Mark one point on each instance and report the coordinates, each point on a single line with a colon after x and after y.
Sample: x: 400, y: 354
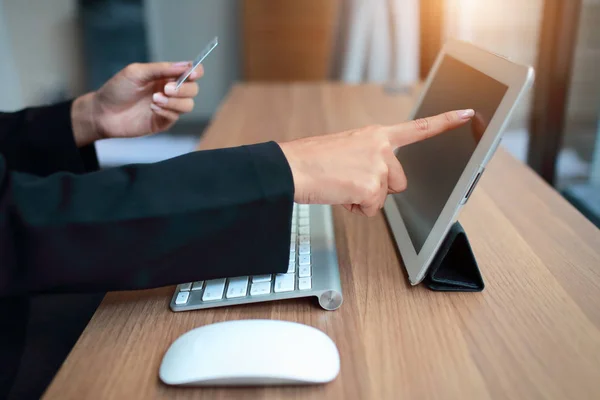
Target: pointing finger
x: 424, y: 128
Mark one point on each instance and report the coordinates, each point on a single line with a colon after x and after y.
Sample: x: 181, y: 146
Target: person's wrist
x: 300, y: 180
x: 83, y: 120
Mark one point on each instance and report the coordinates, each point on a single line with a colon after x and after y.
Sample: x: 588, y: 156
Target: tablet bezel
x: 518, y: 79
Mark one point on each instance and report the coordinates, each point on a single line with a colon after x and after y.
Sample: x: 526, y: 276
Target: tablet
x: 443, y: 171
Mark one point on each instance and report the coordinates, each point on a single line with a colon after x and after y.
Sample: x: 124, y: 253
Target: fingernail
x: 181, y: 64
x: 160, y: 98
x: 466, y: 114
x: 155, y: 107
x: 171, y: 88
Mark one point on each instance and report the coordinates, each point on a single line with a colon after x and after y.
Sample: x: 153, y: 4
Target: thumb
x: 147, y: 72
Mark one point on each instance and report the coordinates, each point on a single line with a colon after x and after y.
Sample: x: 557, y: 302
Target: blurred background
x: 53, y: 50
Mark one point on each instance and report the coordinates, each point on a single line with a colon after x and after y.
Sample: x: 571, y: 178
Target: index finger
x: 147, y: 72
x: 424, y: 128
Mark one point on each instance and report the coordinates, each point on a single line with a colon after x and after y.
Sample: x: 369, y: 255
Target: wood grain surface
x: 533, y: 333
x: 286, y: 41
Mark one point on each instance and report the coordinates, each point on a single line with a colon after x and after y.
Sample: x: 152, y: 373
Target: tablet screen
x: 434, y: 166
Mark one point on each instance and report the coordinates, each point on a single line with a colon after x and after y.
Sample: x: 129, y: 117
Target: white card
x: 203, y: 54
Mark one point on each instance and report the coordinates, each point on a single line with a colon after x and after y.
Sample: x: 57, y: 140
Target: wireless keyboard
x: 312, y: 271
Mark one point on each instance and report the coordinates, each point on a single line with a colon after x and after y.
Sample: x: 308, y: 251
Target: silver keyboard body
x: 323, y: 281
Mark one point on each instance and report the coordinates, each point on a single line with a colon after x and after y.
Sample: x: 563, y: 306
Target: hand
x: 139, y: 100
x: 358, y: 168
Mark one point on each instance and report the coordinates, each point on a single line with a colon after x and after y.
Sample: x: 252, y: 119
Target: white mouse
x: 251, y: 352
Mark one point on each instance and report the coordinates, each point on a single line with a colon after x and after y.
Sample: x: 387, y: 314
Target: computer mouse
x: 250, y: 353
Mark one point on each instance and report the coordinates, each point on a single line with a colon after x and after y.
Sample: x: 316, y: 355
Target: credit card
x: 203, y: 54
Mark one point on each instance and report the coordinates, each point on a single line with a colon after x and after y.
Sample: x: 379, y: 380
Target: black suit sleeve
x: 208, y: 214
x: 39, y: 141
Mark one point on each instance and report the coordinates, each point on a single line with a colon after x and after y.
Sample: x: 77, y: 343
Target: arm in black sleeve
x: 208, y: 214
x: 39, y: 141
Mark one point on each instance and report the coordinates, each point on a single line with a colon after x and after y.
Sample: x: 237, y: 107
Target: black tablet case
x: 454, y: 268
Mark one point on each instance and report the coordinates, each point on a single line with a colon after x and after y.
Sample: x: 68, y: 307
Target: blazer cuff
x: 51, y: 143
x: 276, y: 181
x: 273, y: 170
x: 89, y: 157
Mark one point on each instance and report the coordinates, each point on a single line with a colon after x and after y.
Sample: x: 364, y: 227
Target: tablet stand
x: 454, y: 268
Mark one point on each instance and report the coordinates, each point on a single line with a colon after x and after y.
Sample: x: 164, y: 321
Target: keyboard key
x: 291, y: 267
x: 284, y: 283
x: 292, y: 257
x: 260, y: 288
x: 304, y: 271
x: 303, y: 207
x: 294, y: 229
x: 304, y: 230
x: 303, y: 222
x: 304, y: 213
x: 237, y: 287
x: 304, y: 249
x: 214, y: 290
x: 197, y: 285
x: 261, y: 278
x: 295, y: 207
x: 292, y: 247
x: 185, y: 286
x: 304, y: 239
x: 182, y: 298
x: 304, y: 283
x: 293, y: 238
x: 304, y: 260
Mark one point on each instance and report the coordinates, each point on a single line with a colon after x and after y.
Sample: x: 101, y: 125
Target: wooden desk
x: 533, y: 333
